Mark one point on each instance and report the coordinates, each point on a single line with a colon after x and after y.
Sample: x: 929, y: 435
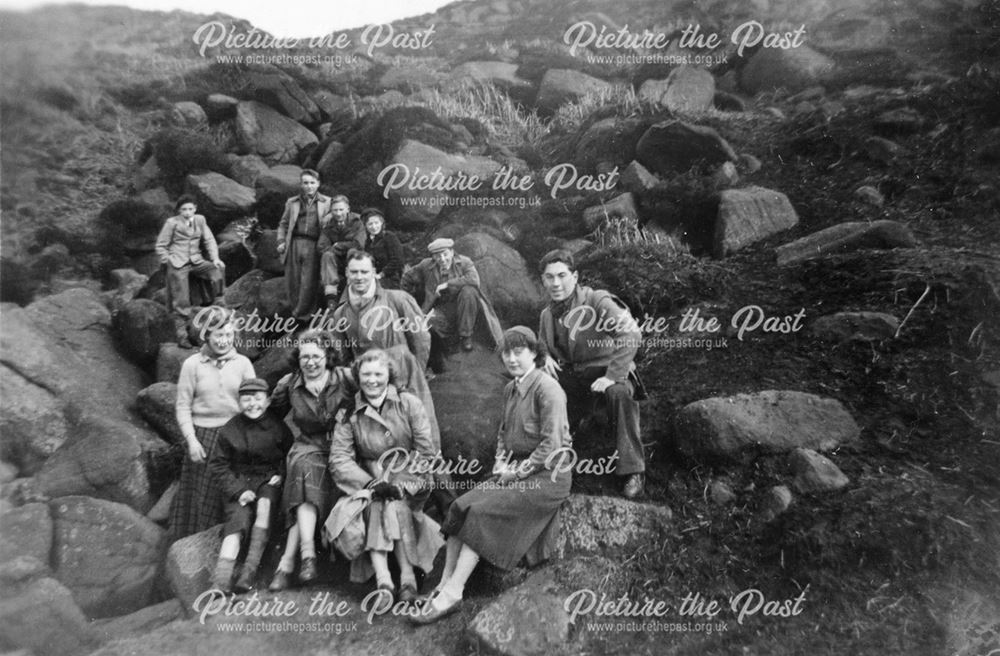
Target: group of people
x: 357, y: 471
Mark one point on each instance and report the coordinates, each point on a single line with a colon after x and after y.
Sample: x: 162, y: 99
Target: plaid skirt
x: 198, y: 504
x: 307, y: 480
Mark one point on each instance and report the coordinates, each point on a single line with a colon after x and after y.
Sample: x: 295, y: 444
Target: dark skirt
x: 307, y: 481
x: 239, y: 519
x: 505, y: 524
x: 198, y: 504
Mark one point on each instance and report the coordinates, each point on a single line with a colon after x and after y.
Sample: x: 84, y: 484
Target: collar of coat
x: 345, y: 296
x: 320, y: 198
x: 361, y: 404
x: 527, y: 382
x: 208, y: 356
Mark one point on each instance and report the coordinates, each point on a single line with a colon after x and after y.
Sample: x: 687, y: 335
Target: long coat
x: 286, y: 227
x: 376, y: 325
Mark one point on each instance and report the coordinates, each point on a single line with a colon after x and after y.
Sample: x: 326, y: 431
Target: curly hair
x: 320, y: 338
x: 375, y: 355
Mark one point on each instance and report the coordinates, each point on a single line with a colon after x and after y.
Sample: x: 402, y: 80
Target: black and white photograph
x: 506, y: 327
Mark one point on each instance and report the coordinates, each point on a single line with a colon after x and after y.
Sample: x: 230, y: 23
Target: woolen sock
x: 222, y: 577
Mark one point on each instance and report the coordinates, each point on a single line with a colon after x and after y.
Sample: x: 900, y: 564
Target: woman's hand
x: 551, y: 367
x: 275, y: 481
x: 247, y: 497
x: 195, y: 450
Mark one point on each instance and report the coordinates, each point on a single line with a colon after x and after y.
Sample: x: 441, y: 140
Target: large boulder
x: 263, y: 131
x: 674, y: 146
x: 687, y: 90
x: 749, y: 215
x: 127, y: 284
x: 793, y: 69
x: 42, y: 617
x: 275, y: 88
x: 775, y: 421
x: 850, y: 236
x: 273, y: 188
x: 140, y: 622
x: 219, y: 198
x: 169, y: 361
x: 190, y: 563
x: 418, y: 159
x: 608, y: 142
x: 527, y: 619
x: 187, y: 114
x: 33, y: 421
x: 503, y: 275
x: 245, y: 169
x: 815, y: 472
x: 619, y: 207
x: 27, y: 531
x: 106, y: 553
x: 503, y: 75
x: 560, y: 85
x: 609, y: 526
x: 258, y: 291
x: 156, y: 404
x: 140, y: 326
x: 266, y: 253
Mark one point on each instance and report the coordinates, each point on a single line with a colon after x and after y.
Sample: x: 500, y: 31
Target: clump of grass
x: 623, y: 231
x: 506, y: 121
x: 614, y: 101
x: 180, y: 151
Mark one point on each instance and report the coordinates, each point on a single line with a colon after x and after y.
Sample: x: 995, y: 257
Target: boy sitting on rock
x: 249, y: 463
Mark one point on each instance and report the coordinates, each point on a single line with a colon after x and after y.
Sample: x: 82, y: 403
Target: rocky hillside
x: 807, y: 232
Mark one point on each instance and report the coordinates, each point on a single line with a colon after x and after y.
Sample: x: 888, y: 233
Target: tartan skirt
x: 307, y: 480
x: 198, y: 504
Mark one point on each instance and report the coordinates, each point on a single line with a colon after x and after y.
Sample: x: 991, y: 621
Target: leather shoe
x: 466, y: 343
x: 246, y: 580
x: 307, y: 572
x: 407, y: 593
x: 634, y: 486
x: 282, y: 581
x: 428, y: 614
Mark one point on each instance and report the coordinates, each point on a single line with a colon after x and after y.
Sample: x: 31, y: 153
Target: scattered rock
x: 749, y: 215
x: 33, y: 422
x: 792, y: 69
x: 42, y: 617
x: 749, y: 164
x: 219, y: 198
x: 637, y: 179
x: 27, y: 531
x: 882, y: 150
x: 106, y: 553
x: 776, y: 501
x: 527, y: 619
x: 720, y: 493
x: 258, y: 291
x: 148, y: 175
x: 619, y: 207
x: 333, y: 107
x: 815, y: 473
x: 263, y: 131
x: 272, y: 86
x: 23, y: 569
x: 157, y: 404
x: 870, y: 195
x: 675, y: 146
x: 609, y: 140
x: 687, y: 90
x: 725, y: 176
x: 245, y: 169
x: 775, y: 421
x: 190, y: 563
x: 330, y: 154
x: 188, y: 114
x: 501, y: 74
x: 169, y: 361
x: 855, y: 327
x: 127, y: 284
x: 560, y: 85
x: 904, y: 120
x: 219, y: 106
x: 609, y: 526
x: 283, y: 180
x: 266, y: 253
x: 140, y: 327
x: 850, y: 236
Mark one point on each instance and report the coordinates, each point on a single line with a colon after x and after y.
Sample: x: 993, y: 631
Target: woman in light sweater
x: 207, y: 397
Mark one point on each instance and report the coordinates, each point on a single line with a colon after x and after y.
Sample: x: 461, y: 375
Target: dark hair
x: 184, y: 200
x: 360, y: 254
x: 311, y: 172
x: 513, y: 339
x: 374, y: 355
x: 372, y: 211
x: 340, y: 198
x: 320, y: 338
x: 556, y: 256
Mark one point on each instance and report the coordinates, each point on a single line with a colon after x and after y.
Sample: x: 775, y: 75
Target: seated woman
x: 315, y: 394
x: 207, y: 397
x: 387, y: 252
x: 383, y: 441
x: 514, y: 515
x: 249, y: 466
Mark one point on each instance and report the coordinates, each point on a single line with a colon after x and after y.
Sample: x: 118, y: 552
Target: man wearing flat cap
x: 448, y: 283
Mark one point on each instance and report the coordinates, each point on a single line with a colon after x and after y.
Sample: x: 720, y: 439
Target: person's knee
x: 618, y: 392
x: 468, y: 292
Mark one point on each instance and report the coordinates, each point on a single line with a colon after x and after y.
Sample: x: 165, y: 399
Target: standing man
x: 299, y: 233
x: 345, y: 232
x: 179, y: 247
x: 592, y: 340
x: 449, y: 284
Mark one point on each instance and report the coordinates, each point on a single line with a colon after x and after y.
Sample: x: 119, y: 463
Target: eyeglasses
x: 310, y: 358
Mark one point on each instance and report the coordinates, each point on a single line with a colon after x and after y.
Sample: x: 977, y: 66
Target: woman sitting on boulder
x: 379, y: 450
x: 207, y: 397
x: 316, y: 395
x: 515, y: 514
x: 387, y: 252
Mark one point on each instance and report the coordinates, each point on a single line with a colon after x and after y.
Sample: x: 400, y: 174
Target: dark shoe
x: 407, y: 594
x: 246, y: 580
x: 466, y: 343
x: 634, y: 486
x: 307, y: 572
x: 281, y: 581
x: 428, y: 614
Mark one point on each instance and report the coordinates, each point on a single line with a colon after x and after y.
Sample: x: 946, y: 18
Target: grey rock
x: 619, y: 207
x: 156, y: 404
x: 637, y: 179
x: 27, y: 531
x: 527, y: 619
x: 850, y: 236
x: 140, y: 326
x: 169, y: 360
x: 882, y: 150
x: 776, y: 501
x: 245, y: 169
x: 190, y: 563
x: 609, y: 526
x: 792, y: 69
x: 749, y: 215
x: 140, y: 622
x: 675, y: 146
x: 815, y: 473
x: 188, y: 114
x: 869, y: 195
x: 221, y: 199
x: 263, y: 131
x: 720, y: 493
x: 559, y: 86
x: 505, y: 279
x: 42, y: 617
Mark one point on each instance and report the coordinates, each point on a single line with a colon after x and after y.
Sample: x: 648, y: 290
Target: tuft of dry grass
x: 507, y: 122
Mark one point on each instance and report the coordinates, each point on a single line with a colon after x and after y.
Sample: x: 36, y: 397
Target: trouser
x: 178, y: 285
x: 456, y: 311
x: 621, y: 408
x: 302, y: 276
x: 333, y: 261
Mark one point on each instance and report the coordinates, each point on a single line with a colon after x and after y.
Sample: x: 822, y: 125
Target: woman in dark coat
x: 316, y: 395
x: 384, y: 246
x: 514, y: 515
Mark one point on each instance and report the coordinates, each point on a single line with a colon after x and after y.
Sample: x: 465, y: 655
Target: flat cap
x: 251, y: 385
x: 440, y: 244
